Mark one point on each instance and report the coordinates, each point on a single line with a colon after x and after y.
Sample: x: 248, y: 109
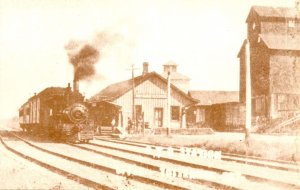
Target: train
x: 59, y: 112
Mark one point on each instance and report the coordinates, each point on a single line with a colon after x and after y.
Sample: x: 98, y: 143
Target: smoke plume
x: 84, y: 55
x: 83, y: 61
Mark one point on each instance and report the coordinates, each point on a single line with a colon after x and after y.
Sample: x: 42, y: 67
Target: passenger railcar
x: 59, y: 112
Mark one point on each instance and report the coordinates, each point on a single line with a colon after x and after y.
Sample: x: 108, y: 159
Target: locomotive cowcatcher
x: 58, y: 112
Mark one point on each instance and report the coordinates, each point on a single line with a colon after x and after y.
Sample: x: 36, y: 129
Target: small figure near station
x: 139, y: 126
x: 129, y: 125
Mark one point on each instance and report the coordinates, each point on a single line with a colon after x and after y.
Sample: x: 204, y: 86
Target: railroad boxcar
x: 59, y: 112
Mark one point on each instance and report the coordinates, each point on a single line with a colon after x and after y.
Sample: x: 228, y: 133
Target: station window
x: 175, y: 113
x: 138, y: 110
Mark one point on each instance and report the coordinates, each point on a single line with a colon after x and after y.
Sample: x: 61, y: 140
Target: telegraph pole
x: 168, y: 105
x: 248, y: 92
x: 133, y: 96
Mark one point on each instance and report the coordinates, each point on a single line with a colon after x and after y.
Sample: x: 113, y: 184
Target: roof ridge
x: 273, y: 12
x: 121, y: 91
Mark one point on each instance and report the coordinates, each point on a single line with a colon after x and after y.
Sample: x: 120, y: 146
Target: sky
x: 202, y: 37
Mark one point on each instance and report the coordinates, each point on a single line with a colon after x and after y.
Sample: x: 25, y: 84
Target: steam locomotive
x: 58, y: 112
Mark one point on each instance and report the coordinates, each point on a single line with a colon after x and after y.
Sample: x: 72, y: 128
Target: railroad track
x: 212, y: 176
x: 137, y: 181
x: 69, y: 175
x: 283, y: 174
x: 155, y: 165
x: 251, y: 160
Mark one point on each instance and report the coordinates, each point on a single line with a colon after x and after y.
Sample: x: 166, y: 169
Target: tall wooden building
x: 150, y: 99
x: 274, y: 36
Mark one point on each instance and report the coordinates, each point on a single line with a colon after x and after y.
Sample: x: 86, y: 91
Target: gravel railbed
x: 148, y: 175
x: 243, y: 169
x: 105, y: 178
x: 220, y: 181
x: 116, y: 164
x: 18, y: 173
x: 277, y: 164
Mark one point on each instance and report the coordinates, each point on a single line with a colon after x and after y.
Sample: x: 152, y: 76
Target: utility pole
x: 248, y: 92
x: 168, y: 105
x: 133, y: 97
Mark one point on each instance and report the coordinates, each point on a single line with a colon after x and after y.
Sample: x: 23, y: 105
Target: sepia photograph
x: 149, y: 94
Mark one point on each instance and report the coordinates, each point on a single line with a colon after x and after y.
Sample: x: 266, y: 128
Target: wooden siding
x: 280, y: 27
x: 227, y: 117
x: 220, y: 117
x: 38, y: 110
x: 284, y: 105
x: 182, y: 84
x: 242, y: 77
x: 273, y: 25
x: 259, y: 60
x: 285, y: 72
x: 34, y: 111
x: 197, y: 116
x: 151, y: 94
x: 253, y: 32
x: 275, y: 74
x: 260, y: 69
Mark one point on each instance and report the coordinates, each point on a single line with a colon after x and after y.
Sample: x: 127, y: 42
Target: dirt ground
x: 17, y: 173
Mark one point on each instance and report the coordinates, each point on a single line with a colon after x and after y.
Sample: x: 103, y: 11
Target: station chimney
x: 145, y: 68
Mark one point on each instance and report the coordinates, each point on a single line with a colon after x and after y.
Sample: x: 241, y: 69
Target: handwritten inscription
x: 158, y: 152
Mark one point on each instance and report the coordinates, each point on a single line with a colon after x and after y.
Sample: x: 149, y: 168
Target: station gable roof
x: 116, y: 90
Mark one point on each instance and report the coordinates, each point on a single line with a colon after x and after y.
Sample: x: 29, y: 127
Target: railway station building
x: 150, y: 99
